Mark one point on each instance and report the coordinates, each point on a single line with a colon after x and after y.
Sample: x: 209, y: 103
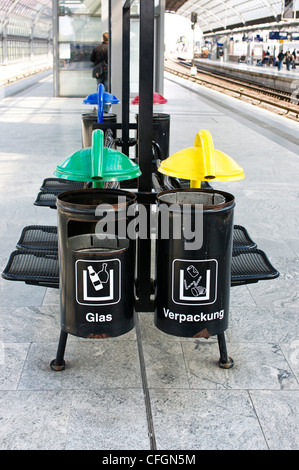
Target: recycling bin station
x: 161, y: 130
x: 88, y: 123
x: 161, y: 125
x: 99, y: 116
x: 91, y: 258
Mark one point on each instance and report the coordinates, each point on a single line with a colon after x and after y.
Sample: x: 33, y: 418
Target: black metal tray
x: 59, y: 185
x: 241, y: 239
x: 251, y: 265
x: 38, y: 237
x: 33, y: 267
x: 46, y: 200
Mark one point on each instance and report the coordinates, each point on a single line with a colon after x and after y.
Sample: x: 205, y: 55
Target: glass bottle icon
x: 93, y: 276
x: 103, y: 274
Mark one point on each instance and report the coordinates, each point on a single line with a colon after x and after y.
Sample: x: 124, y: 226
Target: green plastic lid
x: 97, y: 163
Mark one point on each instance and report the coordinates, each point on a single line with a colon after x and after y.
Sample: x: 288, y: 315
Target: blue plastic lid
x: 100, y: 98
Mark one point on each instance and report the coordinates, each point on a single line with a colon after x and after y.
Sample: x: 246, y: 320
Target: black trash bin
x: 193, y: 279
x: 96, y: 265
x: 89, y: 122
x: 161, y: 131
x: 97, y: 294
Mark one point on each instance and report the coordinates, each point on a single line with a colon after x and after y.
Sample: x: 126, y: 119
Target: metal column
x: 125, y: 77
x: 145, y: 125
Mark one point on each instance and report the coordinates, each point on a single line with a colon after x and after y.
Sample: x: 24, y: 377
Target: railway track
x: 282, y: 95
x: 278, y: 102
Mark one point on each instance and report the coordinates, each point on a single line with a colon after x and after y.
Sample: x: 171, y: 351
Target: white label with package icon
x: 194, y: 282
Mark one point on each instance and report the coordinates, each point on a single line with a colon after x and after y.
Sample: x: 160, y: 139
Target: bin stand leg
x: 225, y: 362
x: 58, y: 364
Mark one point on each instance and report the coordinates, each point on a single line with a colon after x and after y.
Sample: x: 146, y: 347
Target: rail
x: 14, y: 72
x: 239, y: 89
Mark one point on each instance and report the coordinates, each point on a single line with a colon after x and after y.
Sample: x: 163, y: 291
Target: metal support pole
x: 58, y: 364
x: 144, y: 283
x: 125, y: 78
x: 145, y: 137
x: 109, y: 46
x: 225, y: 362
x: 146, y: 76
x: 56, y: 77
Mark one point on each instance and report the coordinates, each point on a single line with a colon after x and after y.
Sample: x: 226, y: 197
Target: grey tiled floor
x: 147, y: 389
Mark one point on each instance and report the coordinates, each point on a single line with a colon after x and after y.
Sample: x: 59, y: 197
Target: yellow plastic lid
x: 202, y: 163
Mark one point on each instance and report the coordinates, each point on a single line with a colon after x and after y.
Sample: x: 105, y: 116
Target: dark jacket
x: 100, y: 53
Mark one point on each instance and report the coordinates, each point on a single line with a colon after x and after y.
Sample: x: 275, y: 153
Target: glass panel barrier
x: 79, y: 30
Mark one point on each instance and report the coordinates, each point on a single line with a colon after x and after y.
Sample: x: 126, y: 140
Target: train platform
x: 14, y: 77
x: 147, y: 390
x: 284, y: 80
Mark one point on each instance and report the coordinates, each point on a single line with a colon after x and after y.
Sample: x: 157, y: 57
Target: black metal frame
x: 145, y: 195
x: 145, y: 126
x: 125, y: 77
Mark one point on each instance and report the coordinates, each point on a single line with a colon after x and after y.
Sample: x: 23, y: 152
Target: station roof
x: 212, y: 15
x: 22, y: 17
x: 35, y: 17
x: 217, y: 15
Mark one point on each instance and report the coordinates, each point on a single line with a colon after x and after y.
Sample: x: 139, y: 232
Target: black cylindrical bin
x: 193, y: 279
x: 89, y: 120
x: 161, y: 130
x: 96, y: 275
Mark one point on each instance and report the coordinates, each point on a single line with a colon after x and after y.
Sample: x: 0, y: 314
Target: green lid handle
x: 97, y: 154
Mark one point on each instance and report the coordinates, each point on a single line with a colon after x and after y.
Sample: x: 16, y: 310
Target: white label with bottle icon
x: 98, y: 282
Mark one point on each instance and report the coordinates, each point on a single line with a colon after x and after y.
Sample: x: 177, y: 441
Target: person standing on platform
x: 288, y: 59
x: 99, y: 57
x: 294, y: 59
x: 280, y: 59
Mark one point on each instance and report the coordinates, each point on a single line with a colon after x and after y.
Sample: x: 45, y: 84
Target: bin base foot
x: 226, y: 365
x: 57, y: 368
x: 225, y: 362
x: 58, y: 364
